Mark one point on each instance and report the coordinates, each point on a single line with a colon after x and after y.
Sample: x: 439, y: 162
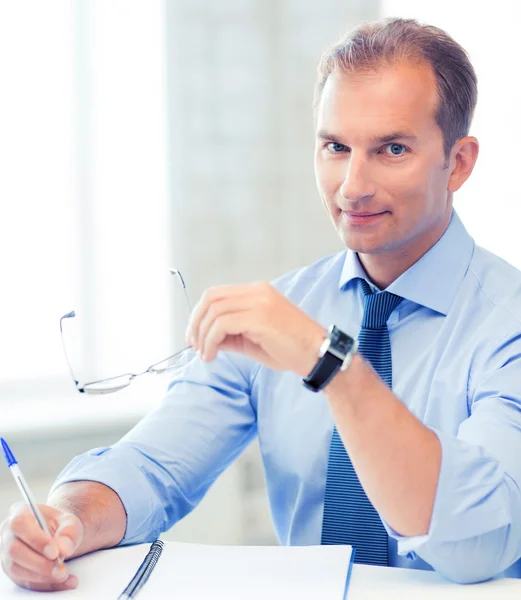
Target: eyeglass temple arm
x: 72, y: 314
x: 69, y: 315
x: 178, y: 273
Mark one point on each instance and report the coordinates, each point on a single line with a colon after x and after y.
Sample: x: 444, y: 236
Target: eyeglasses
x: 119, y: 382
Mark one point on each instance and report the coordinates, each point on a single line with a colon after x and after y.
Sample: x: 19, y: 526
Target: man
x: 411, y: 452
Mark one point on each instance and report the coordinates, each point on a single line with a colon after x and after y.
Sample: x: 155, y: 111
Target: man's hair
x: 381, y: 44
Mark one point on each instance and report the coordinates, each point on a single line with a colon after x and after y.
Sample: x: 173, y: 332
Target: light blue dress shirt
x: 456, y: 347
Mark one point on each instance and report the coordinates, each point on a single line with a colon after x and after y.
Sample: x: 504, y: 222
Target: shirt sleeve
x: 163, y: 467
x: 475, y: 530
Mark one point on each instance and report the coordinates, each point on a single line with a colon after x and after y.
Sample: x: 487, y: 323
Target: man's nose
x: 357, y: 184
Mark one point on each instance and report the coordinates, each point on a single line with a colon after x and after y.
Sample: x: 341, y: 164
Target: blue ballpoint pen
x: 12, y: 463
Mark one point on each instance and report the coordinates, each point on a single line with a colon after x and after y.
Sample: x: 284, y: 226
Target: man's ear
x: 463, y: 157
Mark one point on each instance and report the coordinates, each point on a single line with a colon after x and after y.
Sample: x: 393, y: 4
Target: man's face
x: 379, y: 160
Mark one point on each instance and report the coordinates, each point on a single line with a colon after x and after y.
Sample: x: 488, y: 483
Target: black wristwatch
x: 336, y: 353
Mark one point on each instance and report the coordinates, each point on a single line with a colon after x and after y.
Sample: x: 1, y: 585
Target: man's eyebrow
x: 385, y: 139
x: 395, y: 135
x: 325, y: 135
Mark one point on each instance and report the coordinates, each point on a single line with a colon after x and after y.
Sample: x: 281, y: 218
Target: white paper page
x: 102, y: 576
x: 193, y: 571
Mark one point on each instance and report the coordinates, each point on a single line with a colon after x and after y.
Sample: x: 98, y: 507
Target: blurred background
x: 137, y: 136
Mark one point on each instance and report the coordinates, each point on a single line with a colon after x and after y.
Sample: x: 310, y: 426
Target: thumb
x: 69, y: 534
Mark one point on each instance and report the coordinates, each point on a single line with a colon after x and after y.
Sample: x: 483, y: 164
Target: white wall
x: 244, y: 204
x: 241, y: 76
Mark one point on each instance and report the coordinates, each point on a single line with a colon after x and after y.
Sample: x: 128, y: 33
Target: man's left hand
x: 255, y: 320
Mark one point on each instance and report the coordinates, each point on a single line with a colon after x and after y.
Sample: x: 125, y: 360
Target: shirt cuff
x: 102, y: 466
x: 471, y: 498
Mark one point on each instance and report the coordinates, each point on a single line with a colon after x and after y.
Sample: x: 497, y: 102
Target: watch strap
x: 336, y: 353
x: 322, y: 373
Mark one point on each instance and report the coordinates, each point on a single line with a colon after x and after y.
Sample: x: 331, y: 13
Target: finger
x: 18, y: 507
x: 211, y: 295
x: 20, y: 555
x: 224, y: 326
x: 68, y: 535
x: 18, y: 572
x: 32, y: 581
x: 225, y: 306
x: 193, y: 324
x: 24, y: 526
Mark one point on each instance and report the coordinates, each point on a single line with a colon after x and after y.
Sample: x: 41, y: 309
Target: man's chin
x: 362, y: 244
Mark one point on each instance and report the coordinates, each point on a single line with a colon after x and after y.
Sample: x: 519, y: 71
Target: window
x: 84, y: 197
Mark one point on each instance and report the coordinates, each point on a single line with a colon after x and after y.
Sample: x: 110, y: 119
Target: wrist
x: 99, y: 510
x: 346, y: 379
x: 312, y: 353
x: 356, y: 390
x: 335, y: 354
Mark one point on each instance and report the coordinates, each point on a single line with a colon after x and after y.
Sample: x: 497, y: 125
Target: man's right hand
x: 29, y: 556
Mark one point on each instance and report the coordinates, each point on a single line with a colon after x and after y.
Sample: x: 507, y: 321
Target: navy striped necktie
x: 349, y: 516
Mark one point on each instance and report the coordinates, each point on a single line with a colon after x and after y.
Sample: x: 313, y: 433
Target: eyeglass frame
x: 83, y: 389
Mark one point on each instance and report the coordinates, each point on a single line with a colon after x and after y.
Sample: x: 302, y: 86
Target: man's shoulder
x: 498, y: 280
x: 319, y: 275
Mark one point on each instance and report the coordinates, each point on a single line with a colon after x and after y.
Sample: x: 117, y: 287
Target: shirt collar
x: 434, y: 279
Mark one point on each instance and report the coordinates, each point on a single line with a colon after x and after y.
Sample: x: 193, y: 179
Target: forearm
x: 395, y: 456
x: 98, y: 508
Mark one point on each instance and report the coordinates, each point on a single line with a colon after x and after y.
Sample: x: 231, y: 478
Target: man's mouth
x: 362, y: 218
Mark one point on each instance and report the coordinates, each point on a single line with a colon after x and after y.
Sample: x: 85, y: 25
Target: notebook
x: 192, y: 571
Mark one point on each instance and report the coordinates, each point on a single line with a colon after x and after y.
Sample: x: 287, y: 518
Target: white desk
x: 387, y: 583
x: 367, y: 583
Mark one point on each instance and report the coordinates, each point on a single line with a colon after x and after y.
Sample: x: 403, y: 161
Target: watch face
x: 341, y: 341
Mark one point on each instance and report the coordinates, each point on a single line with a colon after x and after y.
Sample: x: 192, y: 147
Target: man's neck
x: 385, y: 267
x: 382, y: 270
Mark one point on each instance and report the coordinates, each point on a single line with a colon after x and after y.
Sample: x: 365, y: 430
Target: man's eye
x: 395, y: 149
x: 336, y: 147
